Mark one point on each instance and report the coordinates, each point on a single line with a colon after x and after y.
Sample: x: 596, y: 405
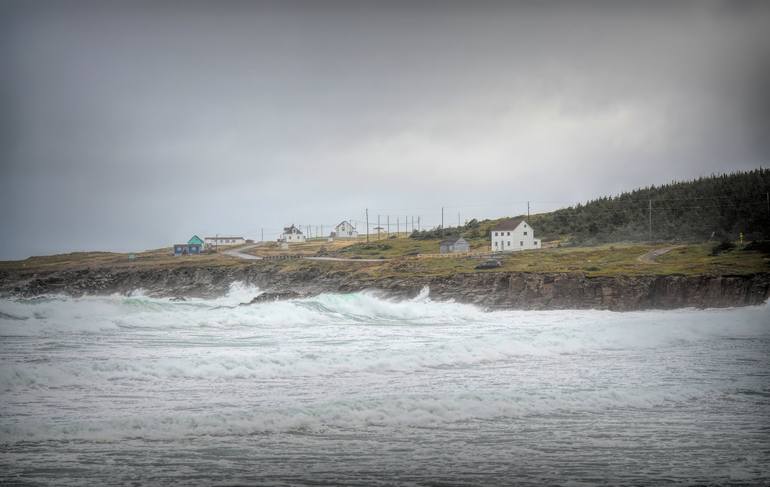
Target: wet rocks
x: 511, y: 290
x: 274, y: 296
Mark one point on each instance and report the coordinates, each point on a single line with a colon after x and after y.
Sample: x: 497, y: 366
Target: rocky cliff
x: 486, y: 289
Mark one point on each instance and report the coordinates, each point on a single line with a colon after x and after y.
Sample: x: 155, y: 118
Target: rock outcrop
x: 491, y: 290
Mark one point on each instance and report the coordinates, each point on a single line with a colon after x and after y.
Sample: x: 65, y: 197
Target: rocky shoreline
x: 511, y: 290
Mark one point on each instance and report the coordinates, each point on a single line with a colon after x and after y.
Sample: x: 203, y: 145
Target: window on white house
x: 509, y: 234
x: 521, y: 244
x: 525, y: 234
x: 509, y: 243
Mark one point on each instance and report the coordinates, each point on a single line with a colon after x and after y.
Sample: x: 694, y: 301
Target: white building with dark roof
x: 344, y: 230
x: 292, y: 234
x: 214, y: 242
x: 512, y: 235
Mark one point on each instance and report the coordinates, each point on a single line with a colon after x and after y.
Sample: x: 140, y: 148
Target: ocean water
x: 353, y: 389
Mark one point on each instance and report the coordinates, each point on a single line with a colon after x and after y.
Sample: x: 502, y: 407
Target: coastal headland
x: 621, y: 277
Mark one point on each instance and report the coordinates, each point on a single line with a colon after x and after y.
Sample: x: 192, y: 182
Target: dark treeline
x: 718, y: 207
x: 471, y: 230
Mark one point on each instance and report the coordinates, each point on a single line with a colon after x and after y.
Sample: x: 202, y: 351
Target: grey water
x: 354, y: 389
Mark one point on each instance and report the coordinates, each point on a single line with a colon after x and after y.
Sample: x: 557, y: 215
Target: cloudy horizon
x: 133, y: 126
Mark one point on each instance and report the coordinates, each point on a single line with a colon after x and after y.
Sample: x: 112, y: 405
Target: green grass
x: 400, y: 247
x: 601, y: 260
x: 159, y: 258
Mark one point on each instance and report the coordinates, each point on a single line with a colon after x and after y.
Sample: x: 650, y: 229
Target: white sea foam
x: 141, y: 369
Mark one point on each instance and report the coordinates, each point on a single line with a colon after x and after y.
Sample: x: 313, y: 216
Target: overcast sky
x: 127, y: 126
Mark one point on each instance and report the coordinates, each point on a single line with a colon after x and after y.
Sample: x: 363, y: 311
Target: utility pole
x: 458, y: 219
x: 527, y: 210
x: 397, y: 227
x: 649, y: 213
x: 378, y: 227
x: 262, y: 234
x: 418, y: 223
x: 412, y: 223
x: 767, y: 195
x: 442, y: 221
x: 367, y: 225
x: 388, y: 234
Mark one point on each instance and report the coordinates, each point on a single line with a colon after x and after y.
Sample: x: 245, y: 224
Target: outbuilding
x: 454, y: 245
x: 192, y: 247
x: 223, y: 241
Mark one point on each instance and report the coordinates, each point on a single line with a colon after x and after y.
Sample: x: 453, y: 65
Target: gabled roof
x: 292, y: 229
x: 195, y: 240
x: 509, y: 224
x: 344, y: 222
x: 452, y: 240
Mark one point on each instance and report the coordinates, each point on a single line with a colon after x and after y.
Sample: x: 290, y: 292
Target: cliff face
x: 490, y: 290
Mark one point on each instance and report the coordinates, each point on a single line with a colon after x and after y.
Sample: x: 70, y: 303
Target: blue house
x: 192, y: 247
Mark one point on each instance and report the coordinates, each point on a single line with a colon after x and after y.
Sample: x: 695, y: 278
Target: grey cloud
x: 119, y: 115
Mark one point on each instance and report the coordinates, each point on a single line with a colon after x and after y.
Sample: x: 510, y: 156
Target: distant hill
x: 714, y: 207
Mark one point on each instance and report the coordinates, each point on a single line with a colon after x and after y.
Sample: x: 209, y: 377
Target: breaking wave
x: 118, y: 368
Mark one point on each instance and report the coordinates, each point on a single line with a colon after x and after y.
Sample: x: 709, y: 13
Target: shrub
x: 724, y: 246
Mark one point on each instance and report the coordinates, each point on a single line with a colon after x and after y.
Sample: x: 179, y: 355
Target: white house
x: 292, y: 234
x: 344, y: 230
x: 512, y: 235
x: 214, y: 242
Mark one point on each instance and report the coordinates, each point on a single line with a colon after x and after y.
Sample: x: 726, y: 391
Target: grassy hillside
x: 600, y: 260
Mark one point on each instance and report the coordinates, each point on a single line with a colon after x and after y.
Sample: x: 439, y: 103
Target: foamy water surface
x: 354, y: 389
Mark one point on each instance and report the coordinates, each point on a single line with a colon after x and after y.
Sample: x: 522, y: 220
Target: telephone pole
x: 262, y: 234
x: 442, y: 221
x: 458, y: 219
x: 397, y: 226
x: 388, y: 220
x: 367, y: 225
x: 527, y: 210
x: 418, y: 223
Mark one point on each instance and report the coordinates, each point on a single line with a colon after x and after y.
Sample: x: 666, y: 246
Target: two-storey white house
x: 512, y: 235
x: 292, y: 234
x: 344, y: 230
